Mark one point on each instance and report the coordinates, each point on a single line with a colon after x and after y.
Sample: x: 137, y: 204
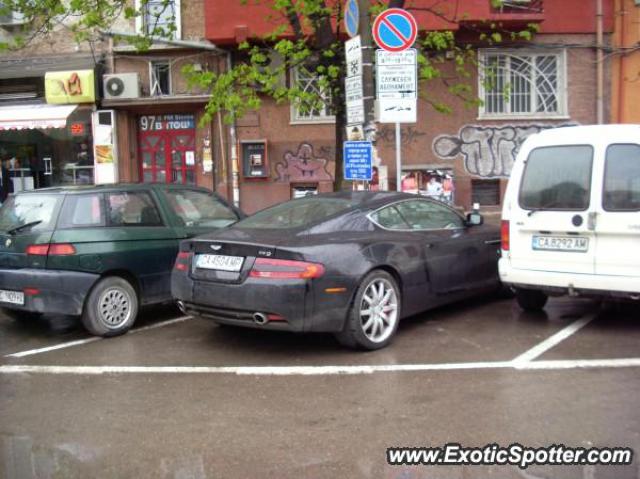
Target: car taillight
x: 285, y: 269
x: 61, y: 249
x: 504, y: 235
x: 55, y: 249
x: 38, y: 249
x: 182, y: 261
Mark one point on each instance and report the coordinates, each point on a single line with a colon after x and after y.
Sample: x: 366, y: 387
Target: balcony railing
x: 519, y: 7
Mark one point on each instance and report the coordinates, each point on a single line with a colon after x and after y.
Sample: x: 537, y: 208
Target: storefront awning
x: 26, y: 117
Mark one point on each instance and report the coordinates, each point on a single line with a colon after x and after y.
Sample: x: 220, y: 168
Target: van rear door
x: 549, y: 226
x: 617, y: 220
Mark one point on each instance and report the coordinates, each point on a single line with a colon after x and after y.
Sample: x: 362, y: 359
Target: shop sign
x: 166, y: 122
x: 77, y: 129
x: 70, y: 87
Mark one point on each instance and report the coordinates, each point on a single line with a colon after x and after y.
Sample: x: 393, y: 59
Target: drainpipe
x: 600, y: 63
x: 622, y: 43
x: 233, y: 144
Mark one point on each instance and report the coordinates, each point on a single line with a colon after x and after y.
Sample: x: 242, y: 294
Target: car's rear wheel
x: 531, y: 299
x: 111, y: 308
x: 374, y: 316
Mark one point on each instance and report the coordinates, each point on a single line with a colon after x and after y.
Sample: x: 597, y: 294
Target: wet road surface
x: 184, y: 398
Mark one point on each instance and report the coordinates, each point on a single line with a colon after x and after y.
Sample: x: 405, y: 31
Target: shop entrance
x: 166, y: 145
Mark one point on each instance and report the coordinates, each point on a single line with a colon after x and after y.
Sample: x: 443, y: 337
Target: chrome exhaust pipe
x: 182, y: 307
x: 260, y: 318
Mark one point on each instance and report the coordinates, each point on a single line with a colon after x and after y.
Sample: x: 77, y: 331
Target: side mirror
x: 475, y: 219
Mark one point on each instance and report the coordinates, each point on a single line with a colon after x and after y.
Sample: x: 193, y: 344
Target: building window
x: 485, y: 192
x: 516, y: 84
x: 159, y: 18
x: 307, y: 80
x: 160, y: 78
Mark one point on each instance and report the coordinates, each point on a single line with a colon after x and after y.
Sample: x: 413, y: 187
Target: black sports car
x: 351, y: 263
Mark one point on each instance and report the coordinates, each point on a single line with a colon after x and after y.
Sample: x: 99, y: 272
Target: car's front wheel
x: 531, y: 299
x: 374, y: 316
x: 111, y: 308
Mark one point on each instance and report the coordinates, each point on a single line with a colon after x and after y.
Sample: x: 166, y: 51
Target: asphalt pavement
x: 183, y: 398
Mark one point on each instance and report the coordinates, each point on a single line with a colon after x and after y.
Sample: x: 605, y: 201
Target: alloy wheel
x: 379, y: 310
x: 114, y: 307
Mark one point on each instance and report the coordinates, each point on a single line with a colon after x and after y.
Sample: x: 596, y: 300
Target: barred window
x: 311, y: 111
x: 519, y: 84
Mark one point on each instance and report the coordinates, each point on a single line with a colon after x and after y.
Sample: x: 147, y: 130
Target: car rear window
x: 622, y: 178
x: 557, y: 178
x: 82, y: 211
x: 35, y: 209
x: 296, y: 213
x: 197, y: 208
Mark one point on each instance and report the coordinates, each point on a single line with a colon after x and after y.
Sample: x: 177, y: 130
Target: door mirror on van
x: 475, y: 219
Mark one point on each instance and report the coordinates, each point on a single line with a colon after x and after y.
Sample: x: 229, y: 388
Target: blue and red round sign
x: 395, y: 30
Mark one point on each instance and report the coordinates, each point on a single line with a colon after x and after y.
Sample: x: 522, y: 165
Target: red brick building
x: 553, y: 80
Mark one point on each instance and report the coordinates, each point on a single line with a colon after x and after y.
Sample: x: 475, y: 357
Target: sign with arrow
x: 397, y: 86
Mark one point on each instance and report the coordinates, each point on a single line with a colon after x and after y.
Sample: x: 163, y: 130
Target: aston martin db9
x: 350, y: 263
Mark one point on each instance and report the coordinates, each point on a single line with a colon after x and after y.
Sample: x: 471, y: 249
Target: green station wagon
x: 99, y: 252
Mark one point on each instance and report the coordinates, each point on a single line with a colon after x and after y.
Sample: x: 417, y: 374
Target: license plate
x: 219, y: 262
x: 561, y: 243
x: 13, y: 297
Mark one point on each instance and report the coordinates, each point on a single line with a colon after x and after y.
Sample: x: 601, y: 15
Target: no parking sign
x: 395, y: 30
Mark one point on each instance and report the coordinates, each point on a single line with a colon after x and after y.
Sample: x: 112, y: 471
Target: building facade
x: 549, y: 81
x: 143, y: 123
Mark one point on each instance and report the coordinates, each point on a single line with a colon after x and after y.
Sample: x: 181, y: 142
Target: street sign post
x: 353, y: 82
x: 351, y: 17
x: 358, y: 160
x: 395, y: 30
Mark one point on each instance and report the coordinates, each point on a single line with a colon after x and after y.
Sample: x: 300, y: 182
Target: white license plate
x: 561, y: 243
x: 13, y: 297
x: 219, y: 262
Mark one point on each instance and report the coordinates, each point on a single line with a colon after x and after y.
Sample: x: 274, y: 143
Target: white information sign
x: 397, y: 86
x: 353, y: 54
x: 353, y: 81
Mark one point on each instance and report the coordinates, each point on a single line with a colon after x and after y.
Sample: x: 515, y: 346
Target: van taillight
x: 55, y: 249
x: 182, y: 261
x: 504, y: 235
x: 285, y: 269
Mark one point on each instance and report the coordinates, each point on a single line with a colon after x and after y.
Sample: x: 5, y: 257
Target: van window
x: 557, y: 178
x: 82, y: 211
x: 622, y: 178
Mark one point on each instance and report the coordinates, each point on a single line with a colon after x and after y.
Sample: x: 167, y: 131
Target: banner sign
x: 166, y: 122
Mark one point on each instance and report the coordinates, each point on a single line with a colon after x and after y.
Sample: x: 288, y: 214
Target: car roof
x: 110, y: 187
x: 370, y: 199
x: 587, y: 134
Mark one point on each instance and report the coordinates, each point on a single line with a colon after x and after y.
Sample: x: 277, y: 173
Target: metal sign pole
x: 398, y: 158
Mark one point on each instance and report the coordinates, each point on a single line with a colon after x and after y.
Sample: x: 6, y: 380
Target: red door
x: 166, y: 145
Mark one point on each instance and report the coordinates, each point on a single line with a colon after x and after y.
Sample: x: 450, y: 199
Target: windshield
x: 297, y: 213
x: 557, y: 178
x: 34, y: 209
x: 197, y: 208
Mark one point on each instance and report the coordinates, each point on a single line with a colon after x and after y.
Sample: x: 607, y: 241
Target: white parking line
x: 80, y: 342
x: 552, y: 341
x: 321, y: 370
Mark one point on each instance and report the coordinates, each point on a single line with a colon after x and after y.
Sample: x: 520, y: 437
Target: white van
x: 571, y: 215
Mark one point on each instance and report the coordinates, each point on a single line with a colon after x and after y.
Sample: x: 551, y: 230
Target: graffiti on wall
x: 303, y: 165
x: 409, y: 134
x: 488, y: 151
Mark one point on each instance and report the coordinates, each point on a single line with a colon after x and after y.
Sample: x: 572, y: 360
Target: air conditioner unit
x: 121, y: 85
